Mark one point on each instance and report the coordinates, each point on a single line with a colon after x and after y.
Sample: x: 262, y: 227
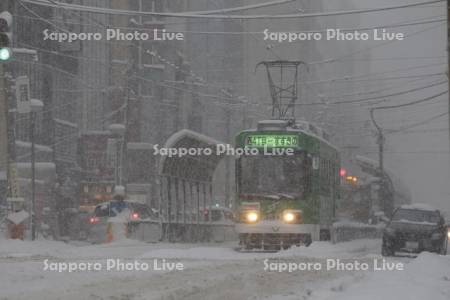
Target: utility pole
x: 5, y: 55
x: 7, y: 139
x: 33, y: 176
x: 229, y: 93
x: 380, y: 142
x: 448, y: 69
x: 227, y: 162
x: 36, y: 106
x: 3, y: 123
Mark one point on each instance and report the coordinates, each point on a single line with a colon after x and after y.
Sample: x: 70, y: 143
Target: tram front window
x: 274, y: 175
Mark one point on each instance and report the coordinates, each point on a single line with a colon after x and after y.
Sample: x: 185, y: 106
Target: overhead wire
x: 206, y: 14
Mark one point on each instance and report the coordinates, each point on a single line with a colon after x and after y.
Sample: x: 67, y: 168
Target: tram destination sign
x: 271, y: 141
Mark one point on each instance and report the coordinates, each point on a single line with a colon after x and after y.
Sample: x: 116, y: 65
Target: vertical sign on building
x: 23, y: 95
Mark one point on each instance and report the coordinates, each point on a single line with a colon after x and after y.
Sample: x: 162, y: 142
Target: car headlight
x: 448, y: 234
x: 292, y: 216
x: 252, y: 216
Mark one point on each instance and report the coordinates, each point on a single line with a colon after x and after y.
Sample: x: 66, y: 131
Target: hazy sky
x: 409, y: 154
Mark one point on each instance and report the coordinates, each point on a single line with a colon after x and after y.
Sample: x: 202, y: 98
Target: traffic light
x: 5, y: 36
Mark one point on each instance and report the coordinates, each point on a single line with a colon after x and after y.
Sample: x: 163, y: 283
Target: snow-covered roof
x: 117, y: 129
x: 97, y: 132
x: 138, y: 187
x: 24, y: 51
x: 174, y: 138
x: 39, y: 165
x: 189, y: 167
x: 154, y: 66
x: 41, y: 148
x: 64, y: 122
x: 270, y: 122
x: 139, y: 146
x: 418, y: 206
x: 119, y: 190
x: 28, y: 181
x: 36, y: 103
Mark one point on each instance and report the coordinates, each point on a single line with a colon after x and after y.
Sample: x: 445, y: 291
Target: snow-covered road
x: 215, y: 271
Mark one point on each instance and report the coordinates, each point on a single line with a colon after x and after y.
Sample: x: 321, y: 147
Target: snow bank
x: 19, y: 248
x: 348, y: 231
x: 341, y: 224
x: 363, y: 247
x: 316, y: 250
x: 427, y: 277
x: 197, y: 253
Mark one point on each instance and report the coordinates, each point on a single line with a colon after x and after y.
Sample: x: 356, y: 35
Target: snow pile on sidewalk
x: 352, y: 249
x: 426, y: 277
x: 19, y: 248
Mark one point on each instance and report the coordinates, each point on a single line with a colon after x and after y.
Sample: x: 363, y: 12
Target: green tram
x: 287, y: 185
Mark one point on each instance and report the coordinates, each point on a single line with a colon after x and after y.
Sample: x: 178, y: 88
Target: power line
x: 395, y: 58
x: 376, y: 97
x: 192, y: 74
x: 103, y: 25
x: 335, y: 59
x: 206, y: 15
x: 433, y: 130
x: 411, y: 103
x: 413, y: 152
x: 367, y: 77
x: 417, y: 124
x: 261, y: 32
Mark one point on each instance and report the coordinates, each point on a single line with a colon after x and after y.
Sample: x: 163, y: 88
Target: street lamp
x: 36, y: 106
x: 118, y: 131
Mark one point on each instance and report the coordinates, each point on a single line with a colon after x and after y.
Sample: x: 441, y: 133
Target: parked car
x: 413, y: 229
x: 218, y: 214
x: 138, y: 220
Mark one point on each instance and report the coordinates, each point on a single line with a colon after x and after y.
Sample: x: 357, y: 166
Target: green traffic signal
x: 5, y: 54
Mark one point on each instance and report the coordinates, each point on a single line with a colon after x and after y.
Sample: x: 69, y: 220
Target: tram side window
x: 325, y: 170
x: 308, y: 175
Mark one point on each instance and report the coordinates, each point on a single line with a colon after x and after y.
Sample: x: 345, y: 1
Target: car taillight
x: 134, y: 216
x: 93, y: 220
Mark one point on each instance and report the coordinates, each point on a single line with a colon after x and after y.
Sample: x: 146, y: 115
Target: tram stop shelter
x: 186, y: 175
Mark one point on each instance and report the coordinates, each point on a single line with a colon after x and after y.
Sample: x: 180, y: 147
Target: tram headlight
x: 252, y: 216
x: 292, y: 216
x: 288, y: 217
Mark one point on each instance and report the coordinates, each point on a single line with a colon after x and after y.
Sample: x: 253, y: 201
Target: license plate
x: 412, y: 245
